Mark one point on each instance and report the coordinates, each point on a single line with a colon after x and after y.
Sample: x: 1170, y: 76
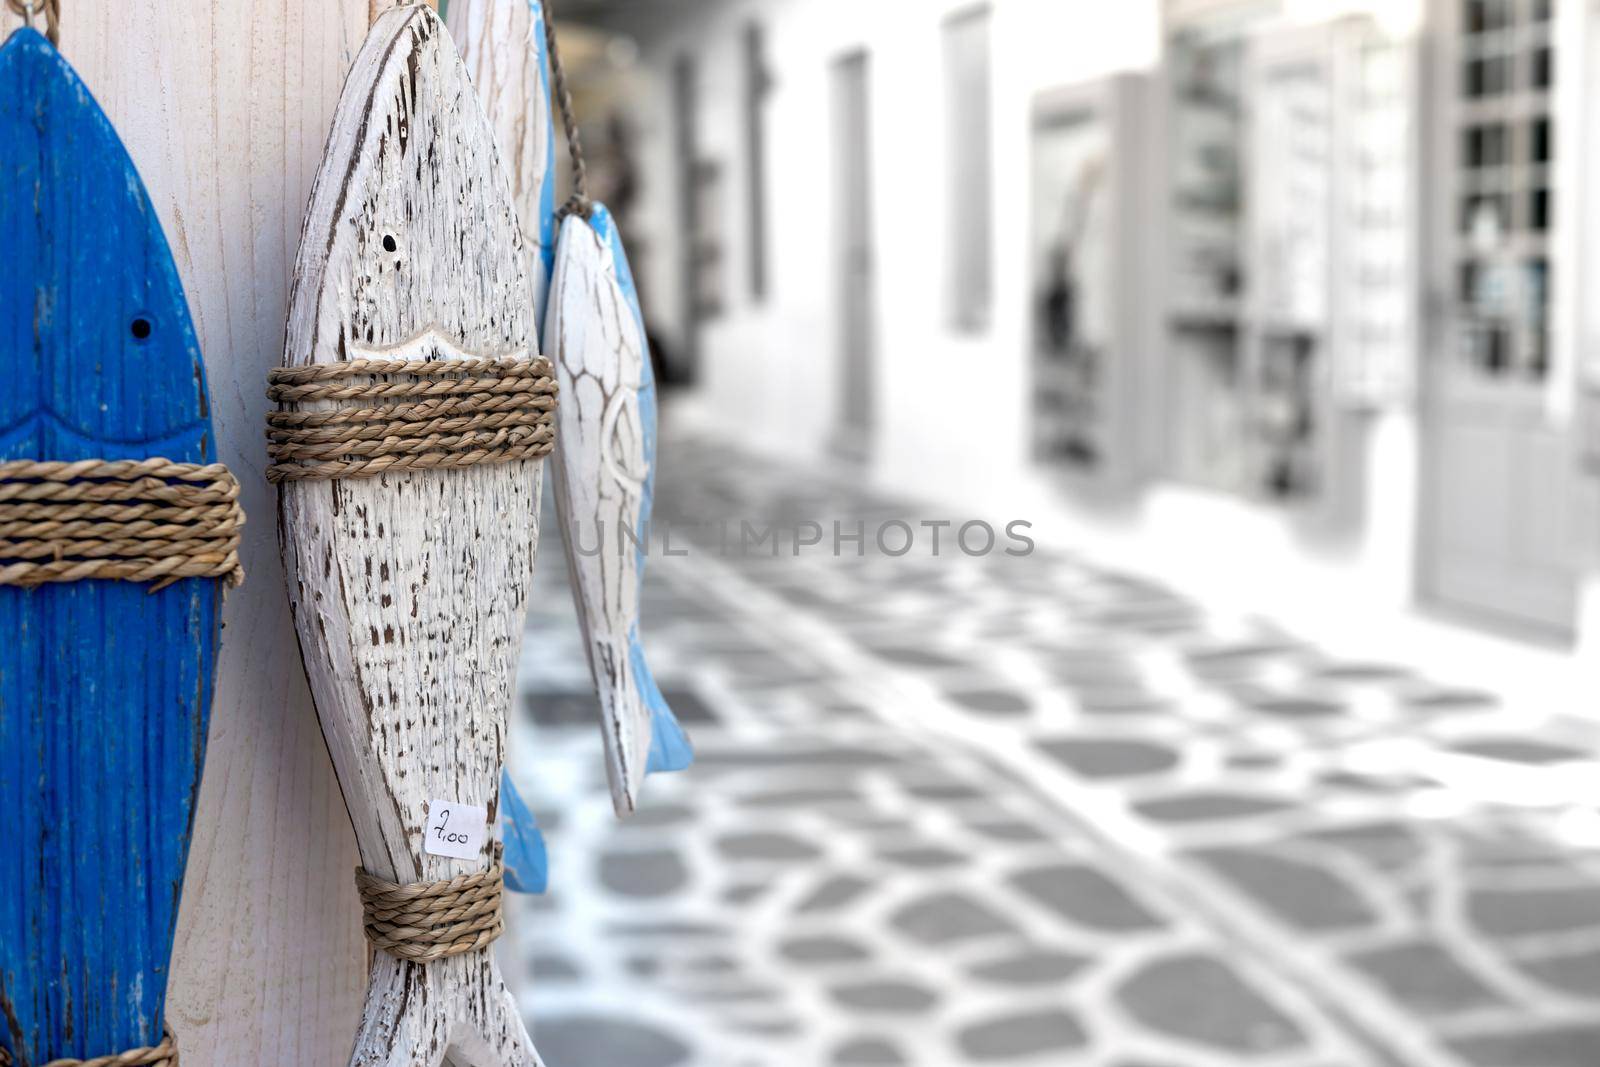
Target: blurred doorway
x: 699, y: 273
x: 1497, y: 472
x: 856, y: 293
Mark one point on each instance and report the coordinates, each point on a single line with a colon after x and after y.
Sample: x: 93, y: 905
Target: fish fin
x: 527, y: 864
x: 670, y: 749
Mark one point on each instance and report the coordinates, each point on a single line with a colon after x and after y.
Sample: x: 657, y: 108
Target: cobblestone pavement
x: 987, y: 810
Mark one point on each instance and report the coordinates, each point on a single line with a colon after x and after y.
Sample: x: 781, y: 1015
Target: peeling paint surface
x: 410, y: 589
x: 502, y: 45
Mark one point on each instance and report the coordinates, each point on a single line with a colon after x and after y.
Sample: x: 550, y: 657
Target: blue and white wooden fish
x: 502, y: 45
x: 605, y: 464
x: 105, y: 686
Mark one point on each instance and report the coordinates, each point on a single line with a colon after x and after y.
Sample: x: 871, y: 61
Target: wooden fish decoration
x: 502, y: 45
x: 605, y: 480
x: 410, y: 588
x: 105, y: 685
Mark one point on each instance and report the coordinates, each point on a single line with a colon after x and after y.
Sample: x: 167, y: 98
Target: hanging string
x: 32, y: 9
x: 578, y: 203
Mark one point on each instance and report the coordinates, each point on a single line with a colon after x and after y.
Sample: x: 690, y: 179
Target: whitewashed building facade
x: 1326, y: 298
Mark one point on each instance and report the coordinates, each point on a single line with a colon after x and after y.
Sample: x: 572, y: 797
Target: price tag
x: 455, y: 830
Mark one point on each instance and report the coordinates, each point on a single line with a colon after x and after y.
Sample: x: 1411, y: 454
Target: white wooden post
x: 225, y: 108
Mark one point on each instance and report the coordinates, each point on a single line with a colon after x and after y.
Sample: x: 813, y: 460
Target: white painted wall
x: 769, y: 369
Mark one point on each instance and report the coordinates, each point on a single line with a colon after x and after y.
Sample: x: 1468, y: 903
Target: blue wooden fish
x: 605, y: 466
x: 105, y: 686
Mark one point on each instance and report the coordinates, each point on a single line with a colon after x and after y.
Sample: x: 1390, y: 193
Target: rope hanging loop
x: 578, y: 203
x: 30, y: 10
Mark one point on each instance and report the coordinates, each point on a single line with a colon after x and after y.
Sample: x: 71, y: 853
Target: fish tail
x: 670, y: 749
x: 527, y: 865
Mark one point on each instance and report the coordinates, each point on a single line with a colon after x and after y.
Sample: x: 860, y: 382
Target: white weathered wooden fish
x: 605, y: 478
x: 502, y: 45
x: 410, y: 588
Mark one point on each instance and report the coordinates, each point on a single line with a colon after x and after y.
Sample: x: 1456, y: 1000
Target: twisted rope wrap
x: 162, y: 1055
x: 408, y: 415
x: 426, y: 921
x: 145, y: 520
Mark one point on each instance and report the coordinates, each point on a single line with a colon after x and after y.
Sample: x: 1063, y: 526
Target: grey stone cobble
x: 1017, y: 1035
x: 1299, y: 893
x: 1203, y: 1000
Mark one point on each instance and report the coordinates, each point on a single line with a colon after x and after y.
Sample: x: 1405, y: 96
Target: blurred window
x: 757, y: 83
x: 854, y: 280
x: 968, y: 162
x: 1469, y: 283
x: 1542, y: 73
x: 1488, y: 347
x: 1488, y: 76
x: 1487, y: 16
x: 1504, y: 200
x: 1539, y: 142
x: 1486, y: 145
x: 1539, y: 210
x: 1537, y: 284
x: 1536, y: 287
x: 1486, y: 217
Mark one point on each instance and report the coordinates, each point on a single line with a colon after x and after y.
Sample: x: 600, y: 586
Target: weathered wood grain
x: 377, y: 8
x: 604, y: 479
x: 410, y: 589
x: 502, y: 45
x: 105, y: 686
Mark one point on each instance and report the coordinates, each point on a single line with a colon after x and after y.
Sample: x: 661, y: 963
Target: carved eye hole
x: 392, y: 258
x: 141, y: 328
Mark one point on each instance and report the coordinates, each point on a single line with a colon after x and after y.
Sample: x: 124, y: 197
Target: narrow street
x: 1026, y: 810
